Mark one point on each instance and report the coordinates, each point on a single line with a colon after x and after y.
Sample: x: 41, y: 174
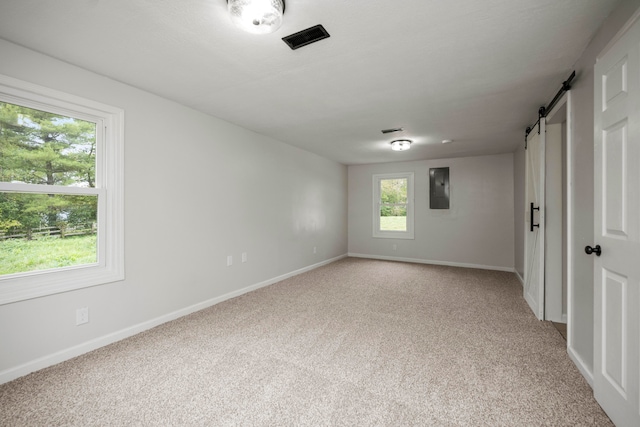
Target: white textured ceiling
x: 474, y: 71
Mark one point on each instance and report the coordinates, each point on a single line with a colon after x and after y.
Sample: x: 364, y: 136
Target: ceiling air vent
x: 392, y: 130
x: 305, y: 37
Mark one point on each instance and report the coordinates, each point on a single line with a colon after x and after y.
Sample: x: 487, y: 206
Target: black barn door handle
x: 531, y: 212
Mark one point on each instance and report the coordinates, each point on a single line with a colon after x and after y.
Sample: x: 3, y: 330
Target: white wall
x: 583, y: 104
x: 476, y: 231
x: 581, y: 320
x: 196, y: 190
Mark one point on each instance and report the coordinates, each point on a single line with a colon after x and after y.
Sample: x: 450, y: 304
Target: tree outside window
x: 393, y: 204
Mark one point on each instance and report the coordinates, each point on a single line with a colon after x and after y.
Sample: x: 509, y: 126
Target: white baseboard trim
x: 577, y: 360
x: 426, y: 261
x: 533, y: 305
x: 519, y: 277
x: 77, y: 350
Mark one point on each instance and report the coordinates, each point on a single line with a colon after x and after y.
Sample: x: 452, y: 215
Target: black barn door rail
x: 543, y: 111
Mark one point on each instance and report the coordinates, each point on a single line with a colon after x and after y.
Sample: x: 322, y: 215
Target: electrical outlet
x: 229, y: 260
x: 315, y: 250
x: 82, y: 315
x: 244, y: 257
x: 395, y: 246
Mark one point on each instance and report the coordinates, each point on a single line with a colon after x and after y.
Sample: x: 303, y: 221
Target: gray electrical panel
x: 439, y: 188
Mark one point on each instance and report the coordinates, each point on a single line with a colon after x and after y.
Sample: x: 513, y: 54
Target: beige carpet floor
x: 354, y: 343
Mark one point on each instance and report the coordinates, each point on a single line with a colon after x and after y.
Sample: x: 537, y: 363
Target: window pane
x: 393, y: 190
x: 393, y: 209
x: 43, y: 231
x: 37, y: 147
x: 393, y: 218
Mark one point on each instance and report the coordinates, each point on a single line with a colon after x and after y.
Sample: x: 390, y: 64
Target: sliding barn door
x: 616, y: 371
x: 534, y: 221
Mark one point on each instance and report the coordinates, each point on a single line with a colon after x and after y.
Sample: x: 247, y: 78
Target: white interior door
x: 616, y: 375
x: 534, y: 221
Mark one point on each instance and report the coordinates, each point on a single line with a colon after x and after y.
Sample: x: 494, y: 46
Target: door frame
x: 566, y: 215
x: 571, y: 252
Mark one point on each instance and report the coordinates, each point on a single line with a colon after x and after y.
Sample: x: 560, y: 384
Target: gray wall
x: 519, y: 169
x: 553, y: 219
x: 478, y: 230
x: 196, y: 190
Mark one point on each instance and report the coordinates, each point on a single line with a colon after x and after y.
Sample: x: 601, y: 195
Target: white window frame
x: 109, y: 179
x: 388, y: 234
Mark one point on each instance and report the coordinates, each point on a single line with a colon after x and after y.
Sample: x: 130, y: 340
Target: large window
x: 60, y: 192
x: 393, y: 205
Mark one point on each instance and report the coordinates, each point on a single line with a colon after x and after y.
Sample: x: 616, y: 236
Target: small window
x: 60, y: 192
x: 393, y: 206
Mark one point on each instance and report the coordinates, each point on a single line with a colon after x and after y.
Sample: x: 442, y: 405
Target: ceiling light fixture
x: 256, y: 16
x: 401, y: 144
x: 447, y: 141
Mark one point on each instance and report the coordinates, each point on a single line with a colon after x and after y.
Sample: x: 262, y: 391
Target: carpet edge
x: 434, y: 262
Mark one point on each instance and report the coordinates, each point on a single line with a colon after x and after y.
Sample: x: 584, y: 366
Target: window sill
x: 393, y: 235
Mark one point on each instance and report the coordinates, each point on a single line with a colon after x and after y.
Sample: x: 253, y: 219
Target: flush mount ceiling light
x: 400, y: 144
x: 447, y: 141
x: 256, y: 16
